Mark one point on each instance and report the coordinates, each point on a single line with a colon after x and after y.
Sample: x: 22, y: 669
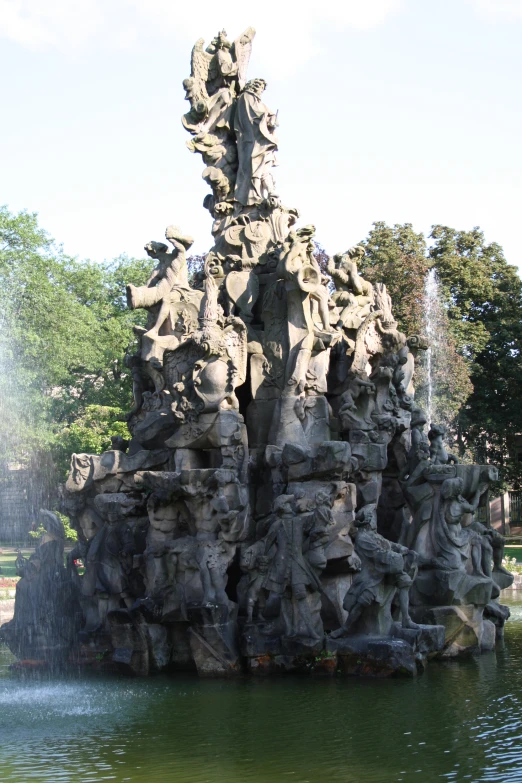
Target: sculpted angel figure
x: 217, y: 74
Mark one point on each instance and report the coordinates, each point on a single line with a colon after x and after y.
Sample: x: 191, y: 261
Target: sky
x: 394, y: 110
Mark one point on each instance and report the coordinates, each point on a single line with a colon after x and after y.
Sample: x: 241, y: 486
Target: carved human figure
x: 220, y: 351
x: 20, y: 563
x: 289, y: 573
x: 218, y: 73
x: 254, y: 126
x: 414, y: 344
x: 183, y: 577
x: 44, y: 622
x: 384, y: 564
x: 213, y: 559
x: 48, y: 554
x: 166, y: 520
x: 438, y: 453
x: 322, y: 521
x: 170, y: 272
x: 109, y: 563
x: 487, y: 550
x: 419, y: 453
x: 254, y: 563
x: 354, y: 294
x: 308, y: 307
x: 451, y: 538
x: 357, y: 403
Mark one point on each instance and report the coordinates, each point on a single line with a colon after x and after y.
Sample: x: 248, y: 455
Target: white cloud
x: 498, y: 10
x: 287, y: 28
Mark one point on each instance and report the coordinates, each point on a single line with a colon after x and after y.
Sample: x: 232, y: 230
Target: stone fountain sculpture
x: 278, y: 505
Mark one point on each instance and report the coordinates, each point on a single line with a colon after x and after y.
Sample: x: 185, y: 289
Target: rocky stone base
x: 405, y: 654
x: 465, y: 628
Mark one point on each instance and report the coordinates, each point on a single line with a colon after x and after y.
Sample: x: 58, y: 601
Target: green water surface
x: 460, y: 721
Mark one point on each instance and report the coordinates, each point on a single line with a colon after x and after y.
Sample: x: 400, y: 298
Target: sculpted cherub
x: 438, y: 453
x: 170, y: 272
x: 354, y: 294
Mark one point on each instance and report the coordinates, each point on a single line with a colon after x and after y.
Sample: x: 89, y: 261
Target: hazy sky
x: 395, y: 110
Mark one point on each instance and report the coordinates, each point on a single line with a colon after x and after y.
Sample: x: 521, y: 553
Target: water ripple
x: 461, y: 721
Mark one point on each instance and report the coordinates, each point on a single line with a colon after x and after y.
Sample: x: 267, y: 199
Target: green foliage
x: 511, y: 565
x: 483, y: 294
x: 478, y: 371
x: 65, y: 329
x: 195, y: 266
x: 397, y: 257
x: 90, y: 432
x: 70, y: 533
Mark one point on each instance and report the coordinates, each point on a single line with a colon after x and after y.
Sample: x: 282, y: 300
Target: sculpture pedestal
x: 465, y: 629
x: 401, y: 655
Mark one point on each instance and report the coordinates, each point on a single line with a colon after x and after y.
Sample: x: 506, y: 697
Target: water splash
x: 431, y: 306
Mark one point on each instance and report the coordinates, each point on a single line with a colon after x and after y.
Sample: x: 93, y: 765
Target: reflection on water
x: 461, y: 721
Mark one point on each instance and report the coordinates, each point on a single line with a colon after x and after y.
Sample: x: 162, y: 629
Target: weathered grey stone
x: 464, y: 627
x: 373, y: 656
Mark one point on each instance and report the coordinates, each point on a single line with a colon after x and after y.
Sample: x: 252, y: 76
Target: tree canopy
x: 65, y: 329
x: 477, y: 367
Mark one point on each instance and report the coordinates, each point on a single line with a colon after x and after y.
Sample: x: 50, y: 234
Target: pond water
x: 460, y: 721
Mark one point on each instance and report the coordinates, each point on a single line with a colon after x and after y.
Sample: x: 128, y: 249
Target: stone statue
x: 415, y: 343
x: 358, y: 403
x: 438, y: 453
x: 254, y: 126
x: 307, y: 296
x: 353, y: 294
x: 255, y: 563
x: 46, y: 614
x: 218, y: 74
x: 110, y: 556
x: 452, y: 540
x: 171, y: 271
x: 290, y: 579
x: 419, y: 453
x: 386, y: 568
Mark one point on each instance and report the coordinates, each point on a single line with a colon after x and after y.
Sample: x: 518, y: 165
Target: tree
x: 477, y: 368
x: 398, y: 257
x: 484, y: 304
x: 65, y: 329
